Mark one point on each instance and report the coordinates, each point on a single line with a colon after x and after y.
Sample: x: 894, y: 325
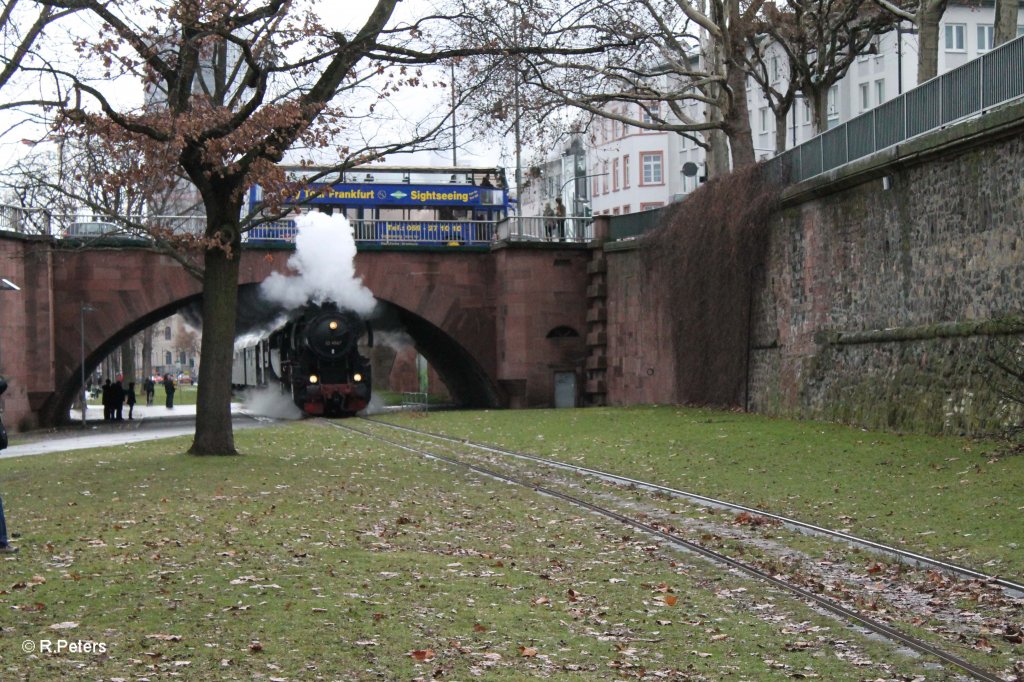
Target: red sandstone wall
x: 26, y: 337
x: 641, y: 350
x: 538, y: 289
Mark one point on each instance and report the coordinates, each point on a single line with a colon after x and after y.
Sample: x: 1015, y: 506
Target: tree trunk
x: 1006, y: 21
x: 928, y: 17
x: 737, y: 120
x: 147, y: 352
x: 214, y: 434
x: 819, y: 110
x: 128, y: 361
x: 780, y: 130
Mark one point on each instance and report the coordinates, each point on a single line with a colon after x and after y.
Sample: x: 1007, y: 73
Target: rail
x: 992, y: 79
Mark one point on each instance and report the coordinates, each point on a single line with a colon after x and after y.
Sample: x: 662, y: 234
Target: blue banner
x: 378, y: 195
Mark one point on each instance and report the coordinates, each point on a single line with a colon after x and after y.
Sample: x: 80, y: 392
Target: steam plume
x: 324, y: 261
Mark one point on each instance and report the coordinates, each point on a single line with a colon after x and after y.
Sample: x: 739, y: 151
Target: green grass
x: 316, y: 555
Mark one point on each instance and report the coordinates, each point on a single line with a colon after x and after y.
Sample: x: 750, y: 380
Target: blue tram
x: 386, y: 206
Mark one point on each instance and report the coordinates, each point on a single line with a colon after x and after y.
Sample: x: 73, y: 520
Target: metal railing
x: 389, y: 232
x: 994, y: 78
x: 415, y: 402
x: 546, y: 229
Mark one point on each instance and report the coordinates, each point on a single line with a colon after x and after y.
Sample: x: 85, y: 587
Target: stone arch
x: 468, y: 382
x: 66, y: 393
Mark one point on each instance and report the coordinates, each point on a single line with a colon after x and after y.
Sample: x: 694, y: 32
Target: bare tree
x: 925, y: 15
x: 666, y: 66
x: 20, y: 29
x: 822, y: 39
x: 776, y: 76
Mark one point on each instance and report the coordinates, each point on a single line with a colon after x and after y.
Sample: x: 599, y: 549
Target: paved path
x: 150, y: 423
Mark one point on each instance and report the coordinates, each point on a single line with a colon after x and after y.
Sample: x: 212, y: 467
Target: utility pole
x: 455, y: 160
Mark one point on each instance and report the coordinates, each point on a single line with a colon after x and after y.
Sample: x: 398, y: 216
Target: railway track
x: 1013, y: 588
x: 428, y: 445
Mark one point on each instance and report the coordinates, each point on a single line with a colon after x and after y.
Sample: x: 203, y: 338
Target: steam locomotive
x: 316, y: 358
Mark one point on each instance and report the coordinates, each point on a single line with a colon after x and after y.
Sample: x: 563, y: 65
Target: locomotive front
x: 328, y: 375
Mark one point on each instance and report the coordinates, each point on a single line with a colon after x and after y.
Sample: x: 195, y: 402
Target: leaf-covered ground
x: 318, y: 556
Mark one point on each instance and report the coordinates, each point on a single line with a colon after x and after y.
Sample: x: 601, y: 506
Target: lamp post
x: 86, y: 308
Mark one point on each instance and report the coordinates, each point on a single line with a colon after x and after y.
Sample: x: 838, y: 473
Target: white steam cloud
x: 270, y: 402
x: 324, y: 260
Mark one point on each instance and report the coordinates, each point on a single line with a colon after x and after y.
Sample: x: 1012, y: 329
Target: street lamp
x: 86, y: 308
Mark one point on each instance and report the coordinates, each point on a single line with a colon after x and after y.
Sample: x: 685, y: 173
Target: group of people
x: 554, y: 220
x: 115, y: 397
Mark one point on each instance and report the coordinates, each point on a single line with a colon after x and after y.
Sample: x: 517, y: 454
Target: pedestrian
x: 5, y: 546
x: 560, y: 216
x: 129, y: 398
x: 149, y: 388
x: 108, y: 409
x: 169, y: 387
x: 117, y: 400
x: 549, y: 220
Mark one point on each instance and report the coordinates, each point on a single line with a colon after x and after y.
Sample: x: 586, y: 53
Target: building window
x: 652, y: 168
x: 168, y: 358
x: 763, y: 113
x: 880, y: 90
x: 986, y: 37
x: 595, y: 185
x: 955, y: 37
x: 807, y: 109
x: 649, y: 111
x: 650, y: 206
x: 775, y: 69
x: 626, y: 209
x: 833, y: 103
x: 615, y: 175
x: 615, y: 211
x: 604, y: 178
x: 865, y: 97
x: 625, y: 172
x: 1020, y: 31
x: 167, y: 333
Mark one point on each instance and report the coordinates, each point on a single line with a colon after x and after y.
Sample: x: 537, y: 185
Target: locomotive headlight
x: 333, y: 324
x: 313, y: 378
x: 357, y: 377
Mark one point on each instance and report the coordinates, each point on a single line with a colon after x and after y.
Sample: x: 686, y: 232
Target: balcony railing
x: 545, y: 229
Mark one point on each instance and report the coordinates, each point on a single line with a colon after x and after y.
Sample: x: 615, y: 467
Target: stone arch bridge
x: 483, y: 319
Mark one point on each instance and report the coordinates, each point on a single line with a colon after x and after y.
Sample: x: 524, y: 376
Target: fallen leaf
x: 69, y: 625
x: 528, y: 651
x: 422, y: 655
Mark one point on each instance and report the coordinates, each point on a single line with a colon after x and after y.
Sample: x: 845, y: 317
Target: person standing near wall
x: 5, y: 547
x: 169, y: 388
x: 560, y: 218
x: 129, y: 399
